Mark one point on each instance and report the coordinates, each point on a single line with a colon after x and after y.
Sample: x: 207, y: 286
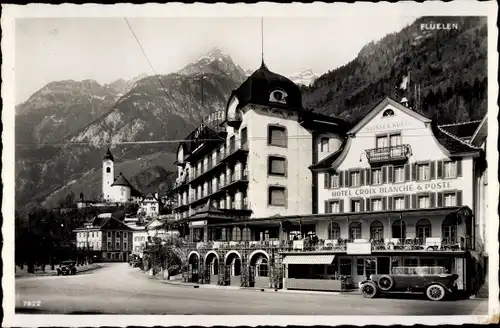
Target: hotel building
x: 272, y: 195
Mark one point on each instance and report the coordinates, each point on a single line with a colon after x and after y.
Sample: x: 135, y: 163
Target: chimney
x: 404, y: 101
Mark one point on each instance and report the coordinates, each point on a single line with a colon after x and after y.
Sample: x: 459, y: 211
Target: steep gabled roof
x: 482, y: 130
x: 328, y: 161
x: 104, y: 221
x: 122, y: 181
x: 462, y: 130
x: 454, y: 145
x: 381, y: 106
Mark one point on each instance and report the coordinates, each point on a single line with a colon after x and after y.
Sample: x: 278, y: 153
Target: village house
x: 106, y: 238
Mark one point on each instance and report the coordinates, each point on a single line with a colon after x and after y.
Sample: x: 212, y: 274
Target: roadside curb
x: 53, y: 274
x: 256, y: 289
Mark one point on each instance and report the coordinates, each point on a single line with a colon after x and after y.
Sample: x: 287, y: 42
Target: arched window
x: 236, y: 234
x: 355, y: 230
x: 108, y: 169
x: 377, y: 230
x: 245, y: 235
x: 399, y: 229
x: 261, y: 267
x: 388, y: 112
x: 334, y: 231
x: 424, y: 229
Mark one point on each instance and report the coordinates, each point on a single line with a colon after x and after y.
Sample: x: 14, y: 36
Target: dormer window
x: 388, y: 112
x: 278, y: 96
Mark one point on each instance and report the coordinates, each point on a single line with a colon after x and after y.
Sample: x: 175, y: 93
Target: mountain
x: 61, y: 108
x: 215, y: 62
x: 122, y: 86
x: 449, y: 65
x: 303, y: 78
x: 163, y: 107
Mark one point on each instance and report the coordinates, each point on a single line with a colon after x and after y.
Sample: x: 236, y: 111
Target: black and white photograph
x: 236, y: 160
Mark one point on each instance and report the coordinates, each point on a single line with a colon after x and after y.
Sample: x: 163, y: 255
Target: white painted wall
x: 107, y: 179
x: 334, y: 143
x: 120, y: 194
x: 424, y: 148
x: 298, y: 154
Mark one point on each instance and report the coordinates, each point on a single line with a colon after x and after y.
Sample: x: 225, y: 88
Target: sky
x: 104, y: 49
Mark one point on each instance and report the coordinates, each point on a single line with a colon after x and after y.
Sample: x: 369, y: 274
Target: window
x: 277, y: 196
x: 355, y: 206
x: 345, y: 266
x: 276, y: 166
x: 423, y: 201
x: 244, y: 137
x: 334, y: 231
x: 335, y: 207
x: 334, y: 181
x: 324, y: 145
x: 388, y: 112
x: 377, y: 204
x: 410, y: 262
x: 355, y: 179
x: 382, y: 142
x: 450, y: 169
x: 424, y: 172
x: 377, y: 230
x: 399, y: 174
x: 118, y: 234
x: 117, y: 245
x: 110, y: 245
x: 450, y: 199
x: 377, y: 176
x: 423, y: 229
x: 399, y: 229
x: 395, y: 140
x: 108, y: 169
x: 355, y: 230
x: 277, y: 136
x: 125, y: 246
x: 399, y: 203
x: 449, y: 233
x: 262, y: 267
x: 109, y: 234
x: 360, y: 267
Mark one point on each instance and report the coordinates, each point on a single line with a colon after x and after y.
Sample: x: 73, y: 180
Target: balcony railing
x: 388, y: 154
x: 339, y: 245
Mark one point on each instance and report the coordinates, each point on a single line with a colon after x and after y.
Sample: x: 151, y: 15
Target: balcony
x: 336, y: 246
x: 236, y: 120
x: 227, y: 184
x: 234, y: 151
x: 394, y: 154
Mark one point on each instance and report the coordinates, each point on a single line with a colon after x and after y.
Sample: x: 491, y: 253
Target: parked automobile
x: 66, y: 268
x: 434, y: 282
x: 135, y: 262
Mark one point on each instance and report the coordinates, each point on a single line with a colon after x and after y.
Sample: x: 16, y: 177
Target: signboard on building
x: 410, y: 187
x: 212, y: 121
x: 387, y: 126
x: 198, y: 223
x: 359, y: 248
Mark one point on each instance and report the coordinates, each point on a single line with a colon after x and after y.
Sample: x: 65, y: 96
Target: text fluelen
x: 407, y: 188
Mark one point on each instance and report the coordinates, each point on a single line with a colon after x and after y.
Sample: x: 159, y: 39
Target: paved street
x: 120, y: 289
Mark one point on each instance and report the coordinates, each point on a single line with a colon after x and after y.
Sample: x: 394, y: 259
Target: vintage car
x: 434, y: 282
x: 66, y: 268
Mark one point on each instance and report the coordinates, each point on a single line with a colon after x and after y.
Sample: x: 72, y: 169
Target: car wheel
x: 369, y: 290
x: 385, y: 283
x: 435, y: 292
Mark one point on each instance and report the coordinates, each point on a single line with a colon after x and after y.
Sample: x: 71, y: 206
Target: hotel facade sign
x: 402, y: 188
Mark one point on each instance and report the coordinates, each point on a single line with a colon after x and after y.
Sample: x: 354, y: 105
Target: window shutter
x: 432, y: 198
x: 348, y: 178
x: 327, y: 207
x: 413, y: 201
x: 440, y: 169
x: 384, y: 203
x: 362, y: 204
x: 341, y: 206
x: 459, y: 168
x: 362, y: 177
x: 368, y: 176
x: 439, y: 199
x: 390, y: 201
x: 390, y: 170
x: 414, y: 172
x: 368, y: 203
x: 384, y: 174
x: 327, y: 180
x: 459, y: 198
x: 432, y: 168
x: 407, y: 201
x: 407, y: 172
x: 341, y: 179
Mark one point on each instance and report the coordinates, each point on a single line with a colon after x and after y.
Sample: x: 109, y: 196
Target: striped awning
x: 309, y: 259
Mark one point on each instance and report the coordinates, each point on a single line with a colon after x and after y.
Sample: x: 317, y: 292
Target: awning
x: 308, y: 259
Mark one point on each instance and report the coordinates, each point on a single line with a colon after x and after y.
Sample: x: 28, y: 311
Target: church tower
x: 108, y: 175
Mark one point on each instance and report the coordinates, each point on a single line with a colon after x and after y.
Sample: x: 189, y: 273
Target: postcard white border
x: 356, y: 10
